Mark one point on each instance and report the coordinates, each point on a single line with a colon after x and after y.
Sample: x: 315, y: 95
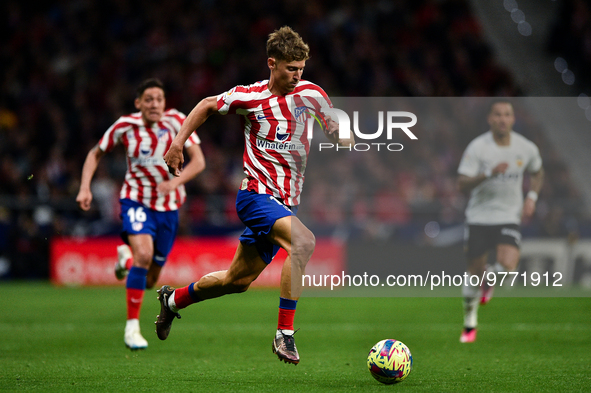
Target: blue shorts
x: 162, y: 226
x: 259, y: 213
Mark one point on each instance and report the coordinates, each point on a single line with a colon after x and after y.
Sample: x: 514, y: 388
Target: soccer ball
x: 389, y: 361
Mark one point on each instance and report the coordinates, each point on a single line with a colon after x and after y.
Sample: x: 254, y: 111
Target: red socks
x: 185, y: 296
x: 134, y: 302
x: 287, y: 308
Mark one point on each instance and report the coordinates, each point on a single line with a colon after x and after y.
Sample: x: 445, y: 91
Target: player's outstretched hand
x: 174, y: 159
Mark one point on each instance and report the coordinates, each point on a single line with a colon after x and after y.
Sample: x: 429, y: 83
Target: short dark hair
x: 286, y: 44
x: 146, y: 84
x: 499, y: 101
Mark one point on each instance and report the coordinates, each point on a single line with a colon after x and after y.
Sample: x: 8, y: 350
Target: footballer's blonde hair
x: 286, y: 44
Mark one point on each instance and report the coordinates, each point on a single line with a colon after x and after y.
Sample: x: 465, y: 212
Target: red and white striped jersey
x: 145, y: 146
x: 276, y: 135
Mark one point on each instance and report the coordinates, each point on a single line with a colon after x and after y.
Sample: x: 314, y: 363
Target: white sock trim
x: 132, y: 324
x: 471, y: 294
x: 471, y: 312
x: 284, y: 331
x: 171, y: 303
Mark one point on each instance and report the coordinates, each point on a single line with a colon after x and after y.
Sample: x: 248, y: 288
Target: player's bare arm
x: 84, y: 197
x: 468, y: 183
x: 195, y: 166
x: 536, y: 181
x: 174, y: 156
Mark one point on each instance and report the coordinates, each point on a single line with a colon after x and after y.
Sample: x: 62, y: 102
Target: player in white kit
x: 492, y: 169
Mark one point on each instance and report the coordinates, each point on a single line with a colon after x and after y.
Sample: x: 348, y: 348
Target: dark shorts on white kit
x: 162, y: 226
x: 259, y: 213
x: 482, y: 238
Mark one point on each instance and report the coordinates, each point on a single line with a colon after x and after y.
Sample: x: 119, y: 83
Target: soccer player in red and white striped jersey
x: 150, y: 196
x: 274, y: 115
x: 145, y: 146
x: 276, y: 142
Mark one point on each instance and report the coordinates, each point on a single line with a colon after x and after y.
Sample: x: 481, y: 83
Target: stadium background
x: 69, y: 69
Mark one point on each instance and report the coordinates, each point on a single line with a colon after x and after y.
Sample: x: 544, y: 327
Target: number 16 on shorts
x: 137, y: 217
x: 134, y: 216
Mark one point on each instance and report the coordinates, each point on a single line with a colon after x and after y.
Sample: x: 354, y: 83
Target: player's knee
x: 241, y: 285
x: 509, y: 262
x: 510, y: 266
x: 142, y: 258
x: 303, y: 246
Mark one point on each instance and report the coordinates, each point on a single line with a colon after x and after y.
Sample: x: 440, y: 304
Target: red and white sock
x: 287, y: 308
x: 183, y: 297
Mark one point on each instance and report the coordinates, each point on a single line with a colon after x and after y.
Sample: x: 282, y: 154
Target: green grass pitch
x: 71, y: 339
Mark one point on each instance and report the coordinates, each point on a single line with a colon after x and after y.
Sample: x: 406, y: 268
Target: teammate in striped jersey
x: 150, y: 196
x: 274, y: 118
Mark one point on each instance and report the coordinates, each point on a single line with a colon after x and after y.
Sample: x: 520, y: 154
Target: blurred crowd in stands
x: 570, y: 38
x: 69, y: 69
